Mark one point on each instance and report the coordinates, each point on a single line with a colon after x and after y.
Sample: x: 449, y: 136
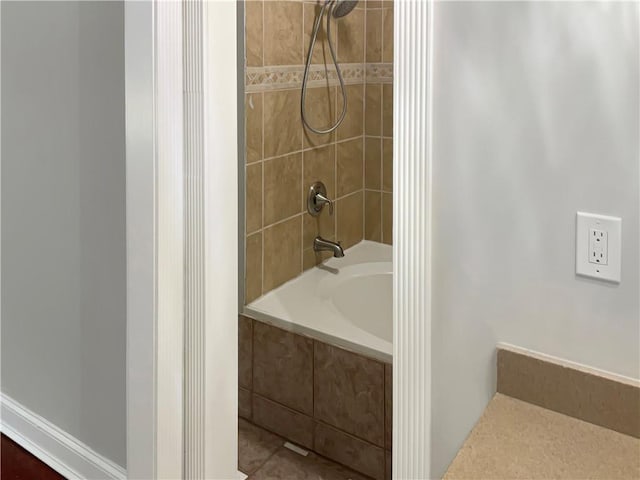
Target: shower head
x: 343, y: 7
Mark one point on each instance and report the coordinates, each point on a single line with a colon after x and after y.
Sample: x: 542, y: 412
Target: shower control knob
x: 317, y: 199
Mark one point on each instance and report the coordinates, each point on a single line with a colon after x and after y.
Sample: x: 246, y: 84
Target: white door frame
x: 412, y: 206
x: 164, y: 412
x: 154, y: 325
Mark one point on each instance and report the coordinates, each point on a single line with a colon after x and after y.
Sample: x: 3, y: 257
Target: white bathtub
x: 346, y: 302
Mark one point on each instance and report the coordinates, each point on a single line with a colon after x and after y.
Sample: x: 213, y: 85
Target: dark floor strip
x: 18, y: 464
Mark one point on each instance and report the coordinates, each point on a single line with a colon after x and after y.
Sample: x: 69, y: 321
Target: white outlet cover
x: 587, y: 222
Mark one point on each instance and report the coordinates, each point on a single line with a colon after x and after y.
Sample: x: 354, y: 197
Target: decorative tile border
x: 259, y: 79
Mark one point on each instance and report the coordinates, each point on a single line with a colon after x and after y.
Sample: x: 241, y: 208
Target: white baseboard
x: 62, y: 452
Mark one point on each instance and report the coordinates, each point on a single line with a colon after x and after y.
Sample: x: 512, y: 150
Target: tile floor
x: 263, y: 456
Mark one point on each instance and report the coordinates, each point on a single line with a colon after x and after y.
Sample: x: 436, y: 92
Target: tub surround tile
x: 282, y: 253
x: 253, y: 267
x: 245, y: 351
x: 284, y: 421
x: 373, y: 216
x: 351, y: 37
x: 283, y: 367
x: 349, y: 392
x: 352, y: 125
x: 350, y: 156
x: 320, y: 165
x: 387, y: 32
x: 320, y: 108
x: 253, y: 31
x: 321, y: 53
x: 387, y: 110
x: 323, y: 225
x: 387, y: 218
x: 287, y: 465
x: 349, y: 450
x: 255, y: 446
x: 372, y: 163
x: 388, y: 465
x: 311, y: 258
x: 374, y: 36
x: 282, y: 125
x: 283, y: 33
x: 387, y: 165
x: 244, y: 403
x: 388, y: 405
x: 253, y: 205
x: 584, y: 395
x: 373, y: 109
x: 349, y: 220
x: 253, y: 128
x: 282, y: 188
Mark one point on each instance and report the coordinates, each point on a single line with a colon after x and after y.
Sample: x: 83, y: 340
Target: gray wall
x: 63, y: 217
x: 536, y: 117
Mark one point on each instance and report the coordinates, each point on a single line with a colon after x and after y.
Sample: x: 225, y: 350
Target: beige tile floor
x: 517, y: 440
x: 262, y: 456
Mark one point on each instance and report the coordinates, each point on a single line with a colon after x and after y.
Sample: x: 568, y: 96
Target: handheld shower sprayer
x: 333, y: 9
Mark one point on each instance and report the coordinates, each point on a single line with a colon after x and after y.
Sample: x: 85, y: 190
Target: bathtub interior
x: 344, y: 301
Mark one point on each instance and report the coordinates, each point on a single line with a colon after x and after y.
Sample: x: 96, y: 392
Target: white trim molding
x: 412, y: 205
x: 155, y: 229
x: 55, y: 447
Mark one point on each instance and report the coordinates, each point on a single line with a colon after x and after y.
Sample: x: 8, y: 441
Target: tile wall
x: 283, y: 159
x: 320, y: 397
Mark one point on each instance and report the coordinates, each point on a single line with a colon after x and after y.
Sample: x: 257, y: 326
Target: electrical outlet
x: 598, y: 246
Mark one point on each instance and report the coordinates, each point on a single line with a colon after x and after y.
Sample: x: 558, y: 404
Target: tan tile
x: 372, y: 163
x: 244, y: 403
x: 388, y: 405
x: 387, y: 164
x: 593, y: 398
x: 358, y: 383
x: 287, y: 465
x: 352, y: 126
x: 323, y: 225
x: 517, y: 440
x: 373, y: 110
x: 388, y: 465
x: 253, y: 32
x: 387, y: 218
x: 321, y: 52
x: 245, y: 351
x: 374, y: 3
x: 255, y: 445
x: 374, y: 36
x: 387, y: 110
x: 282, y: 125
x: 349, y: 228
x: 311, y: 258
x: 253, y: 206
x: 348, y: 450
x: 351, y: 37
x: 283, y: 367
x: 372, y: 216
x: 253, y: 266
x: 282, y: 188
x: 294, y: 426
x: 253, y: 132
x: 320, y: 165
x: 387, y: 34
x: 282, y: 253
x: 350, y: 164
x: 320, y: 110
x: 283, y: 33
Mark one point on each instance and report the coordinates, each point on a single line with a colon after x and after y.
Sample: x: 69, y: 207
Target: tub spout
x: 320, y: 244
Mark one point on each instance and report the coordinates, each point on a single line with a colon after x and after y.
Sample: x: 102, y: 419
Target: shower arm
x: 331, y: 5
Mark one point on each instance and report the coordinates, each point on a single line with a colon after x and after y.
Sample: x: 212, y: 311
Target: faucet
x: 320, y: 244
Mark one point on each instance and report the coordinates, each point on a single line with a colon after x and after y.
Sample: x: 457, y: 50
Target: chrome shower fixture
x: 333, y: 9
